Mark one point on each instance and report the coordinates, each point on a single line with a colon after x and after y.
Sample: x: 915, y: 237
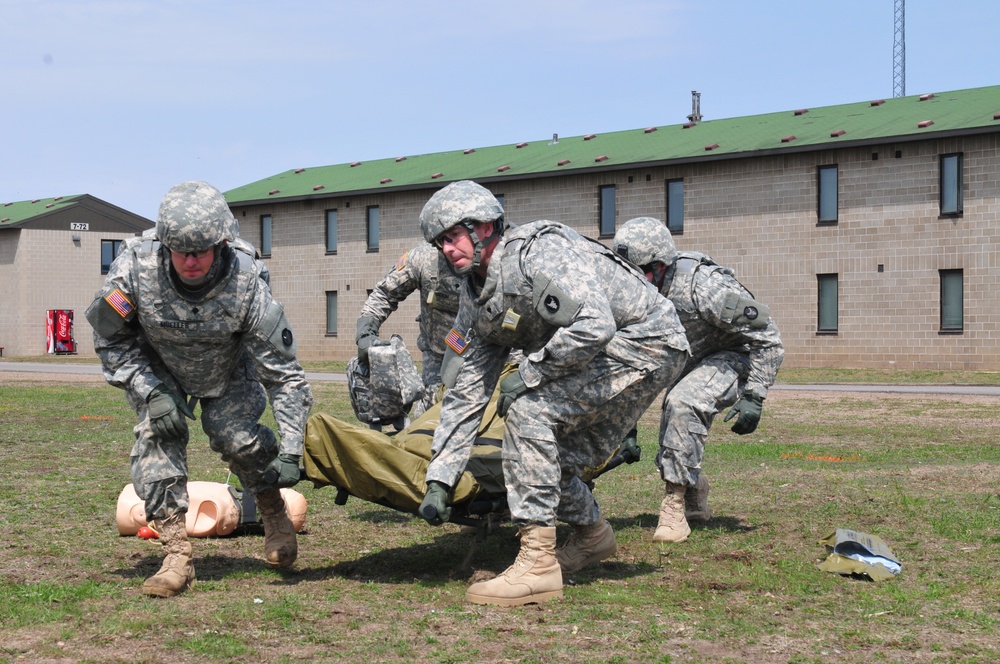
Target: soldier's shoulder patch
x: 119, y: 303
x: 456, y: 341
x: 401, y: 262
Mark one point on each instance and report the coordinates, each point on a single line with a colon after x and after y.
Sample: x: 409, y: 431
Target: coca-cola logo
x: 62, y: 325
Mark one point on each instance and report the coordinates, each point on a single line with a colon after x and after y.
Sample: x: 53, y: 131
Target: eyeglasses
x: 198, y: 255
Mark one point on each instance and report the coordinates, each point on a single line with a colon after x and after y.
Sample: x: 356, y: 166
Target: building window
x: 952, y: 312
x: 265, y: 235
x: 951, y: 185
x: 828, y: 187
x: 109, y: 250
x: 331, y: 313
x: 372, y: 225
x: 331, y: 231
x: 607, y: 210
x: 828, y: 305
x: 500, y: 199
x: 675, y: 206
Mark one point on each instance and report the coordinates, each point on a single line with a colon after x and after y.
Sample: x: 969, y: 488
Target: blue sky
x: 122, y: 99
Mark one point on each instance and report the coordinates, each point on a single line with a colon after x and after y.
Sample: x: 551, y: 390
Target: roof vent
x: 709, y: 148
x: 695, y: 107
x: 58, y: 198
x: 555, y: 139
x: 437, y: 175
x: 649, y: 130
x: 878, y: 102
x: 562, y: 162
x: 469, y: 151
x: 385, y: 181
x: 996, y: 116
x: 801, y: 111
x: 787, y: 139
x: 835, y: 134
x: 319, y: 187
x: 4, y: 220
x: 50, y: 205
x: 520, y: 145
x: 36, y: 200
x: 273, y: 192
x: 590, y: 137
x: 399, y: 159
x: 926, y: 97
x: 299, y: 170
x: 925, y: 124
x: 503, y: 168
x: 603, y: 157
x: 688, y: 125
x: 355, y: 163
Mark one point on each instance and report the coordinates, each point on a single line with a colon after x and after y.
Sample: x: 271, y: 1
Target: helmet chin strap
x: 477, y: 257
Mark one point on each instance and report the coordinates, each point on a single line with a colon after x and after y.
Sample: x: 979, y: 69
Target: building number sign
x: 79, y: 226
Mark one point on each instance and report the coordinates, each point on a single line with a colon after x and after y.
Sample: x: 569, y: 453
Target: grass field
x: 920, y: 471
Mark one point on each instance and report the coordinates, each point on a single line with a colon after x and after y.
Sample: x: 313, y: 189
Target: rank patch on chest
x: 510, y: 320
x: 119, y: 302
x: 456, y: 341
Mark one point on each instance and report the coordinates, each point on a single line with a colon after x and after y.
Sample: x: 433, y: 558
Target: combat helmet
x: 644, y: 241
x: 194, y: 216
x: 461, y: 203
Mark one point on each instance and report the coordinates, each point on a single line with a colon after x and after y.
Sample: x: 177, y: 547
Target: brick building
x: 870, y: 227
x: 54, y: 253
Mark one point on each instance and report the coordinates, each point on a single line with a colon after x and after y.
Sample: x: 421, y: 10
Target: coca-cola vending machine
x: 59, y: 332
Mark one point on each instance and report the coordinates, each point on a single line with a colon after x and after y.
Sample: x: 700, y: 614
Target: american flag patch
x: 119, y: 302
x: 401, y: 263
x: 456, y: 341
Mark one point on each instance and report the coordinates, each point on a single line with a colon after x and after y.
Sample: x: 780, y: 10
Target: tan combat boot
x: 673, y: 527
x: 587, y: 545
x: 177, y: 573
x: 280, y: 544
x: 696, y: 501
x: 534, y: 577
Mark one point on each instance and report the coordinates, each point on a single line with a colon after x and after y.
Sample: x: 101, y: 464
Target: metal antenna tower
x: 899, y: 51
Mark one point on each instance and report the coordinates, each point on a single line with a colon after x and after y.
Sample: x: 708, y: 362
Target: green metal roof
x: 971, y: 111
x: 15, y: 213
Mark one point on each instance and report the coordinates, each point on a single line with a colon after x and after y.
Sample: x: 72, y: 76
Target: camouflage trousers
x: 159, y: 465
x: 430, y: 373
x: 557, y: 432
x: 713, y: 384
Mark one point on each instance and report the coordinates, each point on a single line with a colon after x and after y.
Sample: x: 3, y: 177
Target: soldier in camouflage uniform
x: 735, y: 354
x: 184, y: 318
x: 423, y: 268
x: 599, y: 344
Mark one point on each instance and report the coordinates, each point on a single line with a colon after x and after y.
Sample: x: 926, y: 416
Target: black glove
x: 434, y: 508
x: 166, y: 413
x: 748, y: 408
x: 284, y: 471
x: 367, y: 336
x: 511, y: 388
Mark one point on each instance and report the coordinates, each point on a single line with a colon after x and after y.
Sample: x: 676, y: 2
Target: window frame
x: 332, y: 321
x: 602, y: 213
x: 116, y: 246
x: 266, y: 234
x: 823, y: 196
x: 822, y: 324
x: 328, y: 234
x: 947, y: 208
x: 373, y: 218
x: 671, y: 205
x: 944, y: 277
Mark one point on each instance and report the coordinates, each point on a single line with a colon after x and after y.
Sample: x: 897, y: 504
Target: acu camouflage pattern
x: 384, y: 391
x: 462, y: 201
x: 225, y: 350
x: 600, y: 343
x: 645, y: 240
x: 426, y: 269
x: 194, y: 216
x: 735, y: 348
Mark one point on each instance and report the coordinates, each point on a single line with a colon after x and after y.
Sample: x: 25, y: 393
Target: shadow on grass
x: 647, y: 521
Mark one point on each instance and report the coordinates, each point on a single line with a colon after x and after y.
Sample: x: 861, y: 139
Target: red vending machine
x: 59, y: 332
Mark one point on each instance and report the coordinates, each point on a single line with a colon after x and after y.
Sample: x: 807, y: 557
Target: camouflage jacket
x: 562, y: 299
x: 424, y: 268
x: 141, y: 320
x: 719, y: 313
